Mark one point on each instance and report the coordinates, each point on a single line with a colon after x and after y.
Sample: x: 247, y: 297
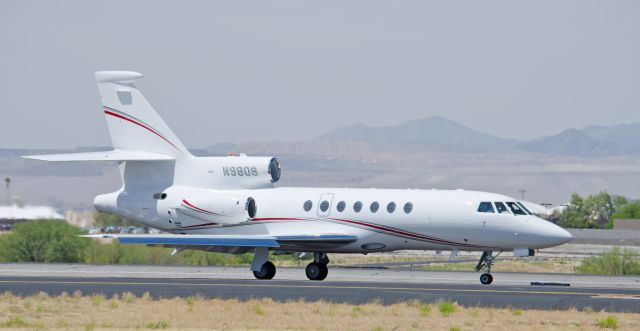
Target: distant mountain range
x: 434, y: 131
x: 592, y: 141
x: 428, y: 153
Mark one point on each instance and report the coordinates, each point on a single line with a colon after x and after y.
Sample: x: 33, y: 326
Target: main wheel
x: 317, y: 271
x: 267, y: 271
x: 486, y: 279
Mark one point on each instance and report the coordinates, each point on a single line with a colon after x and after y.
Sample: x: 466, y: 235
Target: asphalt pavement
x: 354, y: 286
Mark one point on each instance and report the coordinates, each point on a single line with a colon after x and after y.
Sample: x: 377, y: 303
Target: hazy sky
x: 262, y: 70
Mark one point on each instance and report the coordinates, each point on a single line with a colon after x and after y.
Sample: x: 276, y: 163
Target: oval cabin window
x: 357, y: 207
x: 391, y: 207
x: 307, y: 205
x: 324, y: 205
x: 374, y: 206
x: 408, y: 207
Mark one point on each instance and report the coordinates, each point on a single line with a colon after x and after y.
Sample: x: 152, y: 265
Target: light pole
x: 522, y: 192
x: 7, y: 182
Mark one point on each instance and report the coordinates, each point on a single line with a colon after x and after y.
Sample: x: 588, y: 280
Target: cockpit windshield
x: 502, y: 209
x: 515, y: 208
x: 524, y: 208
x: 485, y: 207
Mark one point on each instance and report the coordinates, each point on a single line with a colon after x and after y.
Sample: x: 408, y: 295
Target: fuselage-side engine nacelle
x: 188, y: 207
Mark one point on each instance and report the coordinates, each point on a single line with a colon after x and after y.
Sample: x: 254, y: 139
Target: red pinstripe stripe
x: 197, y: 225
x: 197, y: 208
x: 278, y: 219
x: 377, y: 227
x: 404, y: 233
x: 108, y: 112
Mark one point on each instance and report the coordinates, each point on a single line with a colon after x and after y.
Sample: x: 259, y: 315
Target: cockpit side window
x: 516, y: 209
x: 524, y: 208
x: 485, y: 207
x: 501, y: 208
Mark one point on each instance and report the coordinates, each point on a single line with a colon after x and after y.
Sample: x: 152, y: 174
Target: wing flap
x: 114, y: 155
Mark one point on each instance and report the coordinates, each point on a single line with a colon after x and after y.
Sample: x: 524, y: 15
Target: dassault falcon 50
x: 230, y: 205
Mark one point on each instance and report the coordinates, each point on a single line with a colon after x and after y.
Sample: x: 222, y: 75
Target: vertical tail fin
x: 133, y: 124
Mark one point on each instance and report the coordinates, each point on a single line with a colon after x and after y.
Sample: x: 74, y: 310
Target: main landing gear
x: 264, y: 269
x: 486, y: 261
x: 317, y: 270
x: 261, y: 266
x: 267, y: 271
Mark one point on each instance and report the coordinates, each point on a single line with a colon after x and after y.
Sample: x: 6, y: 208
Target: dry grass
x: 77, y: 312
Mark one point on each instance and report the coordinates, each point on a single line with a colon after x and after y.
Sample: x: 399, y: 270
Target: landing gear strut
x: 486, y: 261
x: 317, y: 270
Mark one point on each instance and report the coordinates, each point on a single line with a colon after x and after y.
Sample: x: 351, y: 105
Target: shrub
x: 446, y: 308
x: 613, y: 262
x: 190, y: 302
x: 611, y: 322
x: 157, y: 325
x: 58, y: 241
x: 425, y: 309
x: 128, y: 297
x: 14, y: 322
x: 96, y: 299
x: 43, y: 241
x: 90, y: 326
x: 258, y: 310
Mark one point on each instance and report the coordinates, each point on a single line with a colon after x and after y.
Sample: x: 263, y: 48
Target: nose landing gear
x: 486, y: 279
x: 486, y: 261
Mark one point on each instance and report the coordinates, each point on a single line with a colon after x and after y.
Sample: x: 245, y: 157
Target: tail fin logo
x: 123, y: 116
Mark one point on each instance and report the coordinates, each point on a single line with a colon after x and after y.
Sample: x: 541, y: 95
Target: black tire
x: 267, y: 271
x: 486, y: 279
x: 317, y: 271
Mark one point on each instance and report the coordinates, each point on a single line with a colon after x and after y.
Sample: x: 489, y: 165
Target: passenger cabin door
x: 324, y: 205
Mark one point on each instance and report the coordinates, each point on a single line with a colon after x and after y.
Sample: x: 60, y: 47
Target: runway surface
x: 343, y: 285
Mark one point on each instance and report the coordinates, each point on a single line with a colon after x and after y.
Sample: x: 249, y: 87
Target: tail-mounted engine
x: 231, y: 172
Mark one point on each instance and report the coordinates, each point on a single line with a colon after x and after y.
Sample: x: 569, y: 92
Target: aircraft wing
x: 172, y: 240
x: 114, y: 155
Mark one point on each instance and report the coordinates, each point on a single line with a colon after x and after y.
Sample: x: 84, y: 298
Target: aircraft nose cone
x: 561, y: 236
x: 554, y: 235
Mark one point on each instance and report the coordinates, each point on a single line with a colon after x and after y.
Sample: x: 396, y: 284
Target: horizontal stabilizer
x: 114, y: 155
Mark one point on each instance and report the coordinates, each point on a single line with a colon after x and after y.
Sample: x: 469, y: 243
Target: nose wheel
x: 485, y: 263
x: 486, y: 279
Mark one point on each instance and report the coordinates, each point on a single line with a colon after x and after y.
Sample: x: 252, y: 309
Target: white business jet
x: 229, y: 204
